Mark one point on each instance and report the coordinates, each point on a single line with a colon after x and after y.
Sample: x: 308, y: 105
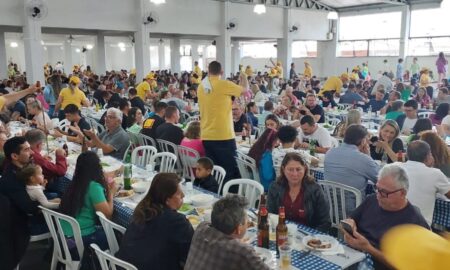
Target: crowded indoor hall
x: 224, y: 134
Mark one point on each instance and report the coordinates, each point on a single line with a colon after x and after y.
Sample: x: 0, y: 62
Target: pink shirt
x: 195, y: 144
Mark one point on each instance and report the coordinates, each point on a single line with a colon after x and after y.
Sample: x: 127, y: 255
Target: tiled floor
x: 35, y: 257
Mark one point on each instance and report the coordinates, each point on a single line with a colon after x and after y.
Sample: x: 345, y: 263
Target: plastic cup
x: 285, y: 256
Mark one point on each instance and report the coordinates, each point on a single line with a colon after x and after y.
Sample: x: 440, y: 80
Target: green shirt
x: 393, y: 115
x: 136, y: 129
x: 86, y: 217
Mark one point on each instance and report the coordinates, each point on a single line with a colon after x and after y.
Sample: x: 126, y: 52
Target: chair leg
x: 54, y: 261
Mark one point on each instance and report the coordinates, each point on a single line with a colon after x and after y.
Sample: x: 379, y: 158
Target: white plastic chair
x: 333, y: 121
x: 108, y: 261
x: 219, y: 174
x: 166, y: 161
x: 64, y: 125
x: 141, y: 155
x: 334, y: 142
x: 61, y: 252
x: 188, y: 158
x: 344, y: 106
x: 55, y: 122
x: 248, y: 188
x: 146, y: 140
x: 247, y: 167
x: 424, y: 114
x: 109, y: 227
x: 337, y: 195
x: 95, y: 125
x: 166, y: 146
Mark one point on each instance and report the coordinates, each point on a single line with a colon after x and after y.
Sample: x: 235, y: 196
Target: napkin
x: 206, y: 85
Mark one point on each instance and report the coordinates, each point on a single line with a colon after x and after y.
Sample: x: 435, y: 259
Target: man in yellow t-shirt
x: 308, y: 72
x: 217, y: 132
x: 70, y: 95
x: 198, y: 71
x: 334, y: 84
x: 249, y: 71
x: 145, y: 89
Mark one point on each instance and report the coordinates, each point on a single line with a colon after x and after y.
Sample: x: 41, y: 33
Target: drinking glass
x: 285, y: 256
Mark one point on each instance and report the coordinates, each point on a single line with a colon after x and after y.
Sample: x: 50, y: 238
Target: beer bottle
x: 84, y: 147
x: 262, y: 202
x: 263, y: 228
x: 282, y: 230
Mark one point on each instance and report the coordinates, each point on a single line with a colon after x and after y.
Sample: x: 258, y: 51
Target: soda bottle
x: 127, y: 176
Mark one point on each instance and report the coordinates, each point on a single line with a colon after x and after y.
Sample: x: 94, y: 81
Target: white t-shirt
x: 36, y: 193
x: 279, y: 153
x: 446, y: 121
x: 321, y: 135
x: 424, y: 184
x: 408, y: 124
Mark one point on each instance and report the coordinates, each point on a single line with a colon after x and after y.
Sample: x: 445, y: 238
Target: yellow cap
x: 150, y: 76
x: 133, y: 71
x: 344, y: 76
x: 75, y: 79
x: 412, y: 247
x: 278, y: 63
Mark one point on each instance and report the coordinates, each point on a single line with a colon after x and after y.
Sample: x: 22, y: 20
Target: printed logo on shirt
x: 149, y: 123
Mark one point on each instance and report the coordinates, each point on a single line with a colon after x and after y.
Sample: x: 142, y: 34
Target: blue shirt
x: 49, y: 95
x: 266, y: 170
x: 377, y: 105
x: 350, y: 98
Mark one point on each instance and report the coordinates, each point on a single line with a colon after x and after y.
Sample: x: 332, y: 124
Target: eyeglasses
x: 384, y: 193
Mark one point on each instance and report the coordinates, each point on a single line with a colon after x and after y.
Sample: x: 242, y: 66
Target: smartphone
x: 347, y: 227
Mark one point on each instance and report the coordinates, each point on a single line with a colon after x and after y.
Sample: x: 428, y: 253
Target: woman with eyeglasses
x: 387, y: 144
x: 301, y: 196
x: 70, y: 95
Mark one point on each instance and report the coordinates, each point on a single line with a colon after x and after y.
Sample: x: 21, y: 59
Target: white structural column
x: 404, y: 32
x: 142, y: 44
x: 161, y: 56
x: 3, y: 61
x: 100, y: 63
x: 175, y: 56
x: 284, y: 45
x: 68, y: 57
x: 34, y: 53
x: 223, y: 42
x: 194, y: 53
x: 235, y: 56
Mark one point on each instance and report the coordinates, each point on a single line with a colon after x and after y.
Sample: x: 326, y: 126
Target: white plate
x: 141, y: 186
x: 126, y: 197
x: 201, y: 199
x: 264, y: 254
x: 323, y: 238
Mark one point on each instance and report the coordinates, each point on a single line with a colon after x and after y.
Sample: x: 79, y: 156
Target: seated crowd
x: 287, y: 121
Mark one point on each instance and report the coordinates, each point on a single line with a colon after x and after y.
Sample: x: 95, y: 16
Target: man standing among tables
x: 215, y: 97
x: 425, y: 182
x: 407, y: 120
x: 381, y: 212
x: 292, y: 73
x: 145, y: 89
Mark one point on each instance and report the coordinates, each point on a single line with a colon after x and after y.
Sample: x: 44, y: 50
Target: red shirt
x: 295, y: 210
x: 50, y: 169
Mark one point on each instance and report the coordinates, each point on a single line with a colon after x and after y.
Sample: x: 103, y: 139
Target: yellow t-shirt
x: 249, y: 72
x: 68, y: 98
x: 215, y: 109
x: 197, y: 71
x: 333, y: 83
x: 424, y: 80
x: 142, y: 90
x: 308, y: 72
x: 2, y: 102
x: 279, y: 71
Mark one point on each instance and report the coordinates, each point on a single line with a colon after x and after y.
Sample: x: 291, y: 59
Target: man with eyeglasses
x: 407, y: 121
x: 381, y: 212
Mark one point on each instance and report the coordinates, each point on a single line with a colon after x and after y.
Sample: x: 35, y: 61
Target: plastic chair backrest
x: 337, y: 195
x: 165, y: 160
x: 61, y: 251
x: 248, y: 188
x: 424, y: 114
x: 188, y: 158
x: 219, y: 174
x: 247, y: 167
x: 141, y: 155
x: 146, y: 140
x: 109, y: 262
x: 166, y: 146
x: 96, y: 125
x: 109, y: 227
x: 64, y: 125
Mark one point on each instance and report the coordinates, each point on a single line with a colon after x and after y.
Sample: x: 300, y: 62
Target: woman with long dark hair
x: 87, y: 193
x: 439, y: 150
x: 441, y: 112
x: 261, y: 152
x: 135, y: 120
x: 299, y: 193
x: 159, y: 237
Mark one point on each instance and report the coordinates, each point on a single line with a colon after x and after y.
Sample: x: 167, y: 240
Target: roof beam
x: 299, y: 4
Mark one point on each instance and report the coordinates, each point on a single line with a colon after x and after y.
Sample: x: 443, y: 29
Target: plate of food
x: 320, y: 242
x: 124, y: 194
x: 194, y: 220
x: 185, y: 209
x: 264, y: 254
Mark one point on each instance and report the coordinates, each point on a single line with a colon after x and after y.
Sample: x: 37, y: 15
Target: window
x: 200, y: 50
x: 154, y: 58
x: 370, y: 26
x: 185, y: 50
x: 186, y: 63
x: 353, y: 48
x: 384, y: 47
x: 259, y: 50
x: 431, y: 22
x: 304, y: 49
x: 211, y: 51
x: 167, y: 56
x: 428, y: 46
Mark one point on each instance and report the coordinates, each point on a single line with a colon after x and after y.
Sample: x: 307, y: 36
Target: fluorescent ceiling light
x: 332, y: 15
x: 89, y: 46
x: 123, y: 49
x: 259, y: 9
x: 14, y: 45
x: 78, y: 50
x: 121, y: 45
x: 157, y: 2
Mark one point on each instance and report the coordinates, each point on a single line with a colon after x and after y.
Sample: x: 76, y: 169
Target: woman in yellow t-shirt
x: 70, y: 95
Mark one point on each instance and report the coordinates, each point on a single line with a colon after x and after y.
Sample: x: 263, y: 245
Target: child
x: 204, y: 178
x: 32, y: 176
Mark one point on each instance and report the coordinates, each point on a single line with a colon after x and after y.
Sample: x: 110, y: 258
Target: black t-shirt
x: 318, y: 110
x: 331, y: 103
x: 208, y: 183
x: 239, y: 125
x: 169, y: 132
x: 138, y: 103
x: 299, y: 95
x: 114, y: 98
x: 151, y: 124
x: 373, y: 222
x: 98, y: 96
x: 397, y: 145
x: 82, y: 124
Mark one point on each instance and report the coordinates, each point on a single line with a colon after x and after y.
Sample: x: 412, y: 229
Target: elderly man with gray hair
x: 114, y: 141
x: 217, y: 245
x: 381, y: 212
